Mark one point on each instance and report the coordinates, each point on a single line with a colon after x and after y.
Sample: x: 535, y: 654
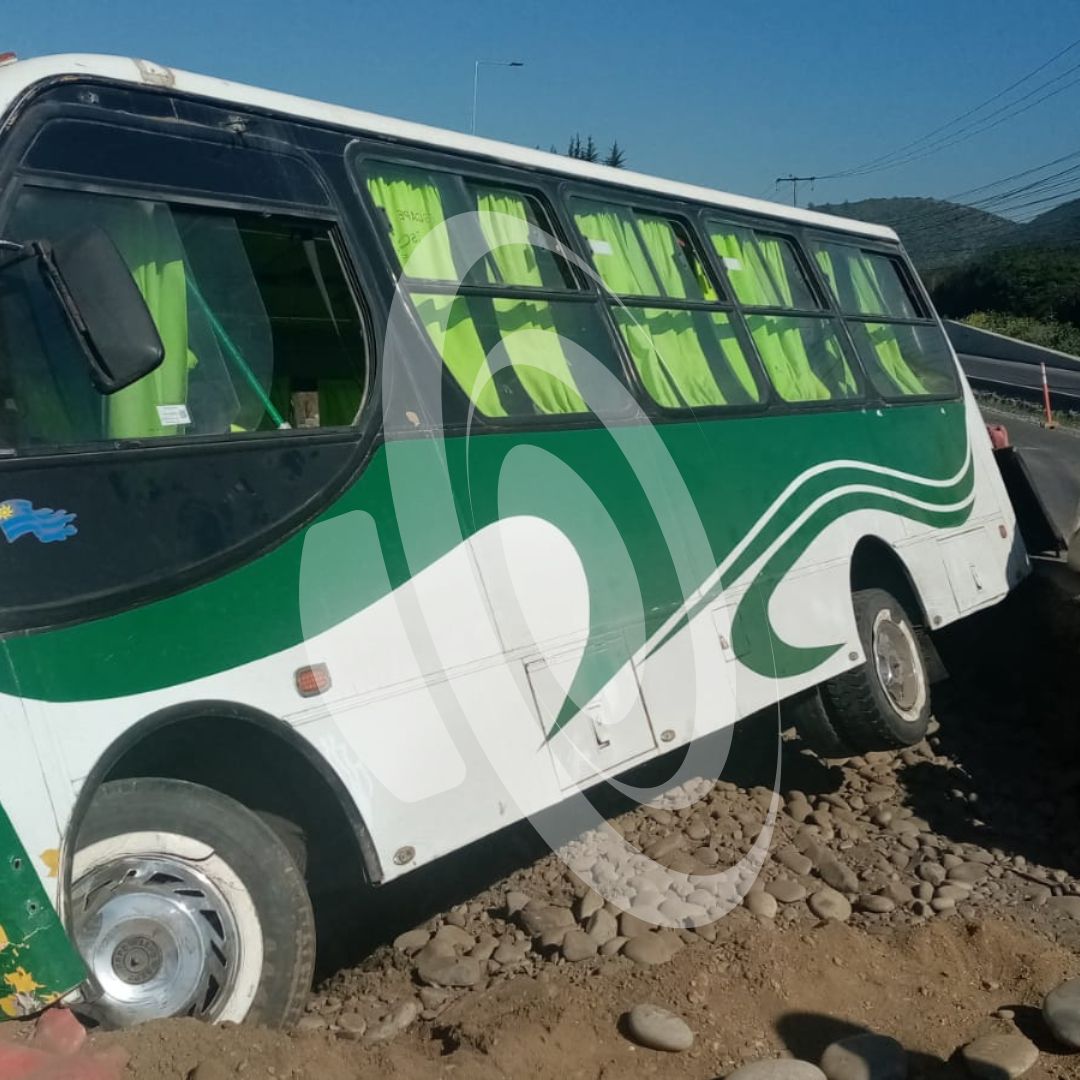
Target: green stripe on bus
x: 728, y: 473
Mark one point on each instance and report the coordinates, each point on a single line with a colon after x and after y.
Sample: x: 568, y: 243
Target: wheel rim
x: 899, y: 668
x: 158, y: 937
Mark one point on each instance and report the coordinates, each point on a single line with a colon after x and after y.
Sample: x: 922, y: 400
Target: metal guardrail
x: 1007, y: 366
x: 1017, y: 379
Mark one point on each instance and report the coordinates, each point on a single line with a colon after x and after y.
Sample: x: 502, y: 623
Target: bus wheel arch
x: 876, y: 564
x: 286, y: 783
x: 884, y: 703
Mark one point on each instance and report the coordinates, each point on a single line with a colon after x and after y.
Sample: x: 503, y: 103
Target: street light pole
x: 476, y: 81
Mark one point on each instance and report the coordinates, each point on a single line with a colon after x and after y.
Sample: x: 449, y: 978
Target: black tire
x: 884, y: 704
x: 814, y: 725
x: 210, y: 880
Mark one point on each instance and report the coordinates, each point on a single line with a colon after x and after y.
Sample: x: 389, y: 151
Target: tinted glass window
x: 864, y: 282
x: 688, y: 356
x: 902, y: 360
x: 259, y: 326
x: 905, y: 360
x: 511, y: 353
x: 803, y: 357
x: 498, y: 235
x: 763, y: 270
x: 639, y: 254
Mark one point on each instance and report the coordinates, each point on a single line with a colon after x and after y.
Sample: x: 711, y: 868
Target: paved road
x: 1053, y: 456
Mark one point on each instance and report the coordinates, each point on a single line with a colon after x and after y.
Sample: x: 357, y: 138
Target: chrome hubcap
x: 897, y: 666
x: 158, y: 937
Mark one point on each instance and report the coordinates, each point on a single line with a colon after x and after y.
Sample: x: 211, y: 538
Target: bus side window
x: 512, y: 348
x: 258, y: 322
x: 904, y: 352
x: 801, y: 351
x: 679, y: 334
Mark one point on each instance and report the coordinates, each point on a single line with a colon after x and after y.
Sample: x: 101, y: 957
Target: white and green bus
x: 366, y: 487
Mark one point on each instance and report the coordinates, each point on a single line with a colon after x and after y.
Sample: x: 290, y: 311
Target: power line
x: 795, y: 181
x: 866, y: 166
x: 964, y: 134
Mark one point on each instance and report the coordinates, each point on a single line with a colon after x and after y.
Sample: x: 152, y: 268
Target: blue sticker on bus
x: 19, y: 517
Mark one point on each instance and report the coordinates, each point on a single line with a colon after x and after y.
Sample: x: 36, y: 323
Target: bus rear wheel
x: 185, y: 903
x: 884, y: 704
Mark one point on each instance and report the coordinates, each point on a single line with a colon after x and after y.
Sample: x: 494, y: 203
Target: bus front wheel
x: 884, y: 704
x: 185, y: 903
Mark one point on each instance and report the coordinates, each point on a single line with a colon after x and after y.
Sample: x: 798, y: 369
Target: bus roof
x: 17, y: 77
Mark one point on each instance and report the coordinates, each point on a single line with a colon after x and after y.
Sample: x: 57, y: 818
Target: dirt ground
x: 956, y: 862
x: 756, y: 992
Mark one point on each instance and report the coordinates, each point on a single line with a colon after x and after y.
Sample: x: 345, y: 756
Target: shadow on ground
x: 806, y: 1035
x: 1009, y: 729
x: 357, y: 920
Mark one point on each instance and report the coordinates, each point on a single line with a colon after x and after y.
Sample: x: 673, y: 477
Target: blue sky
x: 726, y: 94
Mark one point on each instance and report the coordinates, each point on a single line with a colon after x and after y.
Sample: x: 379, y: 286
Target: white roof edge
x: 19, y: 76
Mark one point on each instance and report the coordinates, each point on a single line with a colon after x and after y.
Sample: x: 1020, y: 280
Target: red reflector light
x: 312, y: 680
x: 8, y: 58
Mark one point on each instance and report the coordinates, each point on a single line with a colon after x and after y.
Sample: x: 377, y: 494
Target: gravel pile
x: 858, y: 853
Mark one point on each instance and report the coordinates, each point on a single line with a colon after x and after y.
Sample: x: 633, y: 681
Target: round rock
x: 968, y: 872
x: 658, y: 1029
x: 577, y: 945
x: 437, y: 968
x: 538, y: 919
x: 786, y: 890
x: 648, y: 949
x: 761, y: 903
x: 1061, y: 1011
x: 827, y: 903
x: 876, y: 905
x: 783, y: 1069
x: 865, y: 1057
x: 1000, y: 1057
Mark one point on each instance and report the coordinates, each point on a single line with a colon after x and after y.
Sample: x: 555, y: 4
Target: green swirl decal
x: 754, y: 640
x: 756, y: 644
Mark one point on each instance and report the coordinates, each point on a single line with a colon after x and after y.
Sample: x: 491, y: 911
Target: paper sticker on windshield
x: 600, y: 247
x: 173, y: 415
x: 19, y: 518
x: 732, y: 264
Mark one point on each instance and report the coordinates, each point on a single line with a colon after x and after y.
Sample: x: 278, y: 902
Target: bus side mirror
x: 105, y: 308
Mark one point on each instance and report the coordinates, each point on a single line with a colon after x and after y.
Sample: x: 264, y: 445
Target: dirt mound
x: 756, y: 992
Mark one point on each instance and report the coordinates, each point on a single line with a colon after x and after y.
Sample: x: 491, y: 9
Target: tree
x: 583, y: 151
x: 616, y: 157
x: 1035, y: 283
x: 587, y: 150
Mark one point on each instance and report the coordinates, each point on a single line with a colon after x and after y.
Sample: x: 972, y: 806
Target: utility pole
x: 795, y: 181
x: 476, y: 82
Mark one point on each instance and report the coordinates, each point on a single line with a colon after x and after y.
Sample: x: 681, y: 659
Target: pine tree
x: 616, y: 156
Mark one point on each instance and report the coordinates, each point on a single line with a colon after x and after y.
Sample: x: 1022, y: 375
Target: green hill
x: 1058, y: 226
x: 936, y: 233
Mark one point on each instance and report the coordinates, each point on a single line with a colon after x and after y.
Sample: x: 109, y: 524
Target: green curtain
x: 779, y: 341
x: 449, y: 323
x: 676, y: 352
x: 681, y: 273
x: 758, y: 270
x: 538, y: 359
x: 146, y: 237
x: 669, y: 355
x: 617, y: 252
x: 864, y: 295
x: 413, y: 205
